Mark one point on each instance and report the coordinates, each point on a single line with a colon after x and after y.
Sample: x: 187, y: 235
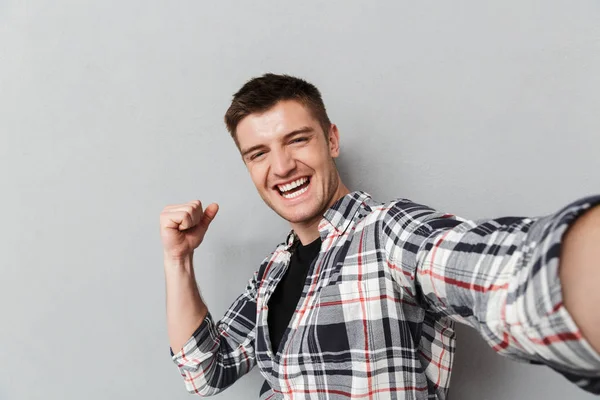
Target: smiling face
x: 290, y: 160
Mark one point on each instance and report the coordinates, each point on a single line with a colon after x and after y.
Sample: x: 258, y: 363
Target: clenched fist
x: 182, y: 227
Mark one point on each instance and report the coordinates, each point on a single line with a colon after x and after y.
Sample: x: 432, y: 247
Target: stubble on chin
x: 300, y: 216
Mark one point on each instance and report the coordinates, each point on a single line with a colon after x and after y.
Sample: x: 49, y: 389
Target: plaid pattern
x: 376, y: 316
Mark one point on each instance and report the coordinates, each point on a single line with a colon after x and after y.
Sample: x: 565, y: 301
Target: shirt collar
x: 343, y: 213
x: 338, y: 218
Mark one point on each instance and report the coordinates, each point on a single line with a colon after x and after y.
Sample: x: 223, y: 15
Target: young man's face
x: 290, y: 161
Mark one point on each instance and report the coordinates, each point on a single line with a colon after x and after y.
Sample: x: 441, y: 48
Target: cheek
x: 258, y: 173
x: 313, y: 157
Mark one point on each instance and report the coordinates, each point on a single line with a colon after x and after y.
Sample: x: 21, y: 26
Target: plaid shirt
x: 376, y: 316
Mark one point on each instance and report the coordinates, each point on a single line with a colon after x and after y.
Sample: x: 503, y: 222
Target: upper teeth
x: 291, y: 185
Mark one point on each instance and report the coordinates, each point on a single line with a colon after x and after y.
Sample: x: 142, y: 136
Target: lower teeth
x: 295, y: 194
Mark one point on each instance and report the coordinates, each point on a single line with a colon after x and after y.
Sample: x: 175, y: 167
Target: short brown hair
x: 262, y: 93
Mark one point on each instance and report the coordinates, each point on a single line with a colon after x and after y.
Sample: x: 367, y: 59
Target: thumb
x: 209, y: 214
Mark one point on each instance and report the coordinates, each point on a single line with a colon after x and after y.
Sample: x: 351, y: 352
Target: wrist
x: 178, y: 261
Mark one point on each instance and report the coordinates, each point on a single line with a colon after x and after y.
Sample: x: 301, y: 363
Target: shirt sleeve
x: 499, y: 276
x: 219, y: 353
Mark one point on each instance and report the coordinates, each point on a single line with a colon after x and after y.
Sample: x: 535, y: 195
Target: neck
x: 308, y: 231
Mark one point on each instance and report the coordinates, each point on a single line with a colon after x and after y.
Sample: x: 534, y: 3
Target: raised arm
x: 182, y: 229
x: 210, y: 356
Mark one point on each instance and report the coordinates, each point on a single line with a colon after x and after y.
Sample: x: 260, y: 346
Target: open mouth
x: 295, y: 188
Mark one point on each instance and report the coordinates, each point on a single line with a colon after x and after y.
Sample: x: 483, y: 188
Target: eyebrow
x: 304, y: 129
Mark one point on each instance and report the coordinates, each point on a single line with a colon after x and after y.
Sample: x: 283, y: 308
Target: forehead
x: 281, y: 119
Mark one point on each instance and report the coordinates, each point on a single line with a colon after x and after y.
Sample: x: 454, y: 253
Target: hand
x: 183, y: 226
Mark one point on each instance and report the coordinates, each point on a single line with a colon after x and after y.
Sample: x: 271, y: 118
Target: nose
x: 283, y: 164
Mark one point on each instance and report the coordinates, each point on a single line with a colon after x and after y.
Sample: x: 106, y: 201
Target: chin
x: 298, y: 219
x: 299, y: 213
x: 296, y: 216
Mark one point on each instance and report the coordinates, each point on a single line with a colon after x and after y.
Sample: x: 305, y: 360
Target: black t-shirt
x: 284, y: 300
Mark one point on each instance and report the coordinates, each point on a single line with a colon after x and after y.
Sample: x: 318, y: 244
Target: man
x: 360, y: 300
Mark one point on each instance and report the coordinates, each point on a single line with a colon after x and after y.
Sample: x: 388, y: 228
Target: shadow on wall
x: 477, y: 368
x: 479, y: 373
x: 349, y: 164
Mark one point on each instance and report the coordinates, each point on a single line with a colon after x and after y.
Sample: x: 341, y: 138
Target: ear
x: 334, y: 141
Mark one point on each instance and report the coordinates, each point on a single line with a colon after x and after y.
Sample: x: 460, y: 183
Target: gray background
x: 111, y: 110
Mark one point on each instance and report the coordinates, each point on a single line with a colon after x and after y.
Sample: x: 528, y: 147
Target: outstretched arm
x: 579, y: 272
x: 502, y: 277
